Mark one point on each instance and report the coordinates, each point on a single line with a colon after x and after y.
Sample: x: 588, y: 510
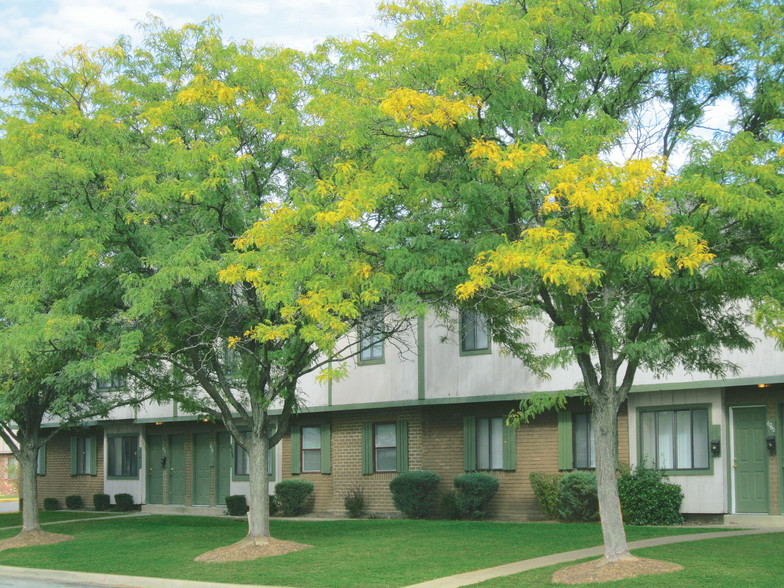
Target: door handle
x: 735, y: 462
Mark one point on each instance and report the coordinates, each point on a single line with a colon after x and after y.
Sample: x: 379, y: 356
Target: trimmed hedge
x: 237, y: 505
x: 414, y: 493
x: 101, y: 501
x: 647, y: 500
x: 474, y: 492
x: 579, y: 499
x: 74, y: 502
x: 123, y: 501
x: 291, y: 495
x: 547, y: 489
x: 51, y: 504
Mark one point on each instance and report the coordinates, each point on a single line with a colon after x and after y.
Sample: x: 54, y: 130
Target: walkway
x: 13, y: 576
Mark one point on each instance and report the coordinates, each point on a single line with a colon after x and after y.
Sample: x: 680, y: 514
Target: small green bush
x: 123, y: 501
x: 74, y: 502
x: 449, y: 508
x: 414, y: 493
x: 237, y: 505
x: 291, y: 496
x: 547, y: 489
x: 474, y: 492
x: 51, y: 504
x: 579, y: 499
x: 273, y: 505
x: 647, y: 500
x: 354, y: 501
x: 101, y: 501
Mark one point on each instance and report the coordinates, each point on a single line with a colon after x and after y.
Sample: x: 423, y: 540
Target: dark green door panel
x: 154, y: 469
x: 222, y: 467
x: 750, y: 460
x: 202, y: 469
x: 176, y: 463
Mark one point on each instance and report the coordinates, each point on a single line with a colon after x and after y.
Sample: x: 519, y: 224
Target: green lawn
x: 752, y: 560
x: 14, y: 519
x: 347, y: 553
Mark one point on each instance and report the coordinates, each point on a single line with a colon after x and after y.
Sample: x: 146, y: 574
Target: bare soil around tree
x: 601, y: 570
x: 249, y: 549
x: 31, y: 538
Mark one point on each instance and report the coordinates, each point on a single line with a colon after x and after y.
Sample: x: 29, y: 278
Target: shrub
x: 101, y: 501
x: 236, y: 505
x: 73, y: 502
x: 123, y: 501
x: 273, y: 505
x: 449, y: 508
x: 647, y: 500
x: 291, y: 496
x: 414, y: 493
x: 474, y: 491
x: 547, y: 488
x: 579, y: 500
x: 354, y: 501
x: 51, y: 504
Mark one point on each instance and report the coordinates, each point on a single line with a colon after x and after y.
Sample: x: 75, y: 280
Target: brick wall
x: 58, y: 481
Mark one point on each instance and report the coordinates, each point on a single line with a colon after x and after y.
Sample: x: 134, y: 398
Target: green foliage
x: 414, y: 493
x: 51, y: 504
x: 547, y: 489
x: 273, y: 505
x: 579, y: 501
x: 449, y: 509
x: 647, y: 500
x: 123, y: 501
x: 237, y: 505
x: 291, y: 496
x: 354, y: 502
x: 101, y: 501
x: 474, y: 492
x: 74, y: 502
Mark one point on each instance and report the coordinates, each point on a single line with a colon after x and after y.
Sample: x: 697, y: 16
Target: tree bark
x: 605, y: 430
x: 28, y: 463
x: 258, y: 515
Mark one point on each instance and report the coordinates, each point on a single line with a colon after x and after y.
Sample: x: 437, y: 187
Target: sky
x: 31, y: 28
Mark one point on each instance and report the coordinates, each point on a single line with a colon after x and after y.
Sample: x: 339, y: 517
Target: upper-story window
x: 113, y: 382
x: 675, y: 439
x: 371, y: 340
x: 474, y: 334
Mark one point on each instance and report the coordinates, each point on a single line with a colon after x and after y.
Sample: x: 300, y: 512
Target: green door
x: 154, y: 469
x: 176, y: 469
x: 202, y: 469
x: 750, y: 460
x: 222, y: 467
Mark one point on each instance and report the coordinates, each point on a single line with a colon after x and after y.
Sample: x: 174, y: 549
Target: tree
x: 524, y: 155
x: 63, y: 246
x: 224, y: 168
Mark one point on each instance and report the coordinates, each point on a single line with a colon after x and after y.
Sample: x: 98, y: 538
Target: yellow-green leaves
x: 421, y: 110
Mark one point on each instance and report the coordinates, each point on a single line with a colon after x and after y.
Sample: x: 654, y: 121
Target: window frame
x: 313, y: 450
x: 114, y: 382
x: 589, y: 440
x: 376, y: 447
x: 238, y: 451
x: 369, y: 330
x: 490, y: 454
x: 137, y: 454
x: 476, y: 318
x: 691, y: 408
x: 84, y: 462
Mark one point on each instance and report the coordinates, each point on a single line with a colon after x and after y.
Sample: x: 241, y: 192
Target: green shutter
x: 510, y: 448
x: 92, y: 443
x: 367, y: 448
x: 296, y: 450
x: 469, y: 443
x: 73, y: 456
x: 326, y: 454
x: 565, y: 457
x: 42, y: 461
x: 401, y: 433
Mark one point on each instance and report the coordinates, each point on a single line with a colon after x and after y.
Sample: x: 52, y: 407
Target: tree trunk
x: 605, y: 431
x: 28, y: 462
x: 258, y: 515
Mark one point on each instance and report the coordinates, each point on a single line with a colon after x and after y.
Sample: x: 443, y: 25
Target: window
x: 675, y: 439
x: 311, y: 449
x: 385, y: 447
x: 583, y: 450
x: 474, y: 337
x: 242, y: 465
x: 122, y: 459
x: 371, y: 340
x: 83, y: 455
x: 113, y: 382
x: 489, y: 443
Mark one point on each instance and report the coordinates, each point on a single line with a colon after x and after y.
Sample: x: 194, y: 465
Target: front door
x: 222, y: 467
x: 749, y: 459
x: 202, y: 469
x: 176, y: 469
x: 155, y: 469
